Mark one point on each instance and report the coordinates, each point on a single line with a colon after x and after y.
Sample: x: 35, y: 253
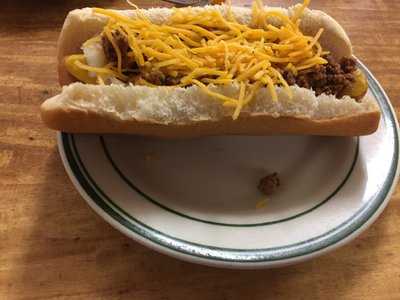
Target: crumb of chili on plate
x: 269, y: 184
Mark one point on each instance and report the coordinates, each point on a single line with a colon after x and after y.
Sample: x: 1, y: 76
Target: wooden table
x: 52, y: 245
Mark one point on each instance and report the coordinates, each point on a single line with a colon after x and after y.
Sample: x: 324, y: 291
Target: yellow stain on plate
x: 262, y: 203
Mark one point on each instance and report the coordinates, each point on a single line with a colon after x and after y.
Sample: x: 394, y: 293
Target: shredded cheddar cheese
x: 208, y: 48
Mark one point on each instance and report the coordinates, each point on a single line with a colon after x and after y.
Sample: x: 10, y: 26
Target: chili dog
x: 210, y: 70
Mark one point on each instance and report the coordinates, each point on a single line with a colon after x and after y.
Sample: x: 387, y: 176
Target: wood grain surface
x: 52, y: 245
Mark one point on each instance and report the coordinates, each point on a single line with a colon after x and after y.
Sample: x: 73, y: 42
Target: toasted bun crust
x: 74, y: 121
x: 188, y: 112
x: 166, y: 112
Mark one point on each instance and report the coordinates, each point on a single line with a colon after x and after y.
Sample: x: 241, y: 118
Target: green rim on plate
x: 104, y: 202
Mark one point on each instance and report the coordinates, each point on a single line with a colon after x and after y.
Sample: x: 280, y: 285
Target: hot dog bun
x: 188, y: 112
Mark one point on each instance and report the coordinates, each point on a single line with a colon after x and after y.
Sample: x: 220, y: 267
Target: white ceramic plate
x: 197, y: 200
